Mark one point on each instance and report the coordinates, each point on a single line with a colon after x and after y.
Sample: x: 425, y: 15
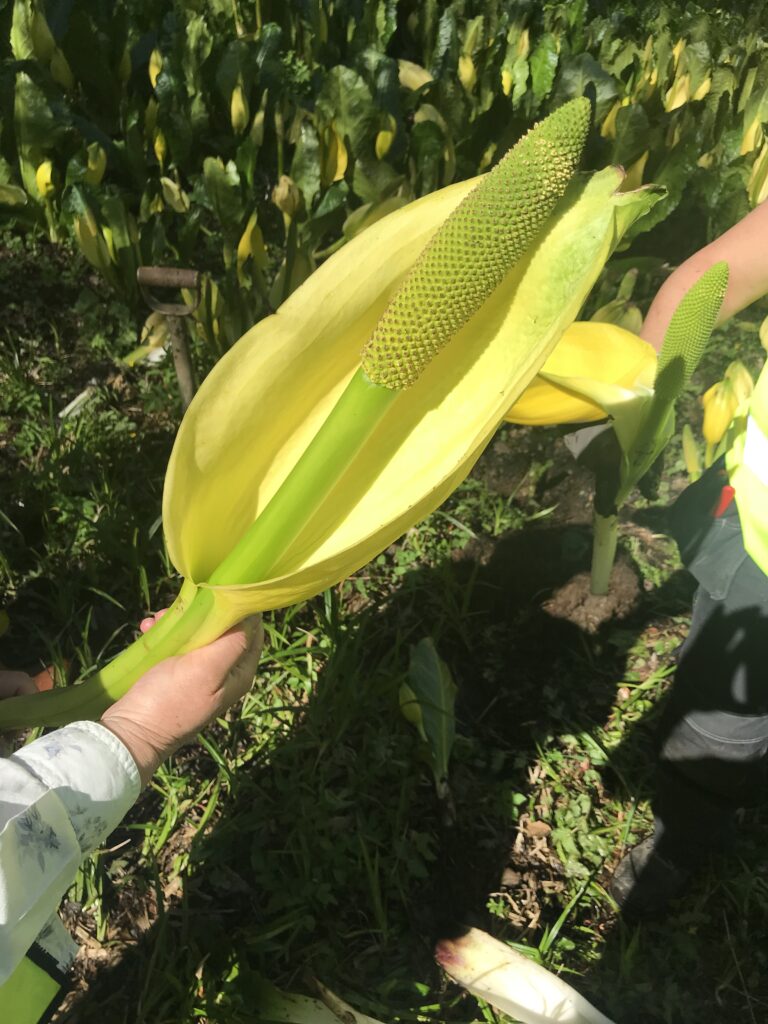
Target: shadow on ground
x: 331, y: 858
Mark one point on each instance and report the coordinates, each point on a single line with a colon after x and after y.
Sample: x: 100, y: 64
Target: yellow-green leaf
x: 174, y: 195
x: 264, y: 401
x: 601, y: 352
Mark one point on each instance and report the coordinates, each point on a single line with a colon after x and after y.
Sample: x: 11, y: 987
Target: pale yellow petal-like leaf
x: 265, y: 400
x: 625, y: 406
x: 602, y: 352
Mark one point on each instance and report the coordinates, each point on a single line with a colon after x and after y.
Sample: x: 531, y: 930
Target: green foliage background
x: 248, y: 138
x: 303, y: 841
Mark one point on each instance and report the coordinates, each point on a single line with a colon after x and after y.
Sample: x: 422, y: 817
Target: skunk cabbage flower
x: 720, y: 404
x: 300, y: 459
x: 601, y: 352
x: 266, y: 399
x: 643, y: 415
x: 44, y: 179
x: 239, y: 111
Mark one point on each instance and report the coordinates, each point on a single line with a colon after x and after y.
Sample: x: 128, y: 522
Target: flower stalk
x: 643, y: 418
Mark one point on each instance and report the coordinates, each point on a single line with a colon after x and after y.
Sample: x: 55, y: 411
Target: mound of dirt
x: 574, y: 603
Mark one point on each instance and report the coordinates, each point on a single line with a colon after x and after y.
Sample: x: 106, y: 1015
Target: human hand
x: 181, y: 695
x: 16, y: 684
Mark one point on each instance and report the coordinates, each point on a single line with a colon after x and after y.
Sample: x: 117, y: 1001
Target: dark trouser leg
x: 714, y: 735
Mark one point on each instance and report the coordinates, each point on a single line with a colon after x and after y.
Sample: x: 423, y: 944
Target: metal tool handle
x: 169, y: 277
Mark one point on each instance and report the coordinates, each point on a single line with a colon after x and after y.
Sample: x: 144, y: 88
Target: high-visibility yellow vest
x: 33, y: 992
x: 747, y: 463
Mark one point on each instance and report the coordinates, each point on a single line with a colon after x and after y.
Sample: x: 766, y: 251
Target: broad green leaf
x: 428, y: 146
x: 435, y: 693
x: 346, y: 102
x: 305, y: 166
x: 576, y: 74
x: 328, y: 217
x: 12, y: 195
x: 446, y: 53
x: 384, y: 76
x: 222, y: 185
x: 37, y: 130
x: 22, y: 46
x: 427, y: 112
x: 233, y: 68
x: 198, y: 46
x: 543, y: 62
x: 87, y: 49
x: 688, y: 332
x: 386, y: 21
x: 520, y: 71
x: 271, y: 1006
x: 633, y: 135
x: 374, y: 180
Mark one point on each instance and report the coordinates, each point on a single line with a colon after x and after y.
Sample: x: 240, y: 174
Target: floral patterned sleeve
x: 60, y: 796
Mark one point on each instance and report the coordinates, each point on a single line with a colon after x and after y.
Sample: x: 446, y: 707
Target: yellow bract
x: 97, y: 164
x: 239, y: 111
x: 600, y: 351
x: 264, y: 401
x: 155, y: 66
x: 44, y: 179
x: 720, y: 404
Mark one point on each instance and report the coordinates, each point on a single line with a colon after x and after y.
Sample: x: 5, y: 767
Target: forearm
x: 145, y: 755
x: 744, y: 248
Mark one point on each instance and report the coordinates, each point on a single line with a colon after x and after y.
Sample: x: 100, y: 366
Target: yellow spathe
x: 265, y: 400
x: 600, y: 351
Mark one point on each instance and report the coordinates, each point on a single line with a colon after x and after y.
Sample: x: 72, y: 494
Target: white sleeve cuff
x: 91, y: 772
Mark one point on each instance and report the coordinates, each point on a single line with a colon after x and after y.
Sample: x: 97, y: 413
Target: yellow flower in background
x: 44, y: 179
x: 599, y: 351
x: 740, y: 380
x: 160, y: 147
x: 155, y: 66
x: 97, y: 164
x: 286, y: 195
x: 467, y: 72
x: 239, y: 111
x: 720, y: 404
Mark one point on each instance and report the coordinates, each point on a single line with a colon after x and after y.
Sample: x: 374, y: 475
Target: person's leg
x: 714, y: 738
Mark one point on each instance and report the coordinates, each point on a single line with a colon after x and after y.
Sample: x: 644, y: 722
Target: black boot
x: 644, y: 882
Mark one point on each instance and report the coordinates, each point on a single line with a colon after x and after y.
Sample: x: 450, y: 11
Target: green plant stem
x: 291, y: 246
x: 325, y: 460
x: 50, y: 217
x: 605, y: 538
x: 90, y: 699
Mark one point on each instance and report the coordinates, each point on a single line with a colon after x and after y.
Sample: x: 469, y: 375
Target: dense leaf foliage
x: 250, y: 138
